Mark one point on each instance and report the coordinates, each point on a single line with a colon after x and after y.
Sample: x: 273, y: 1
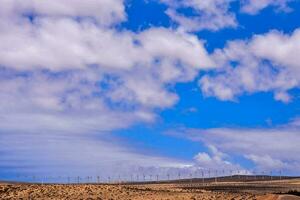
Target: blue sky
x: 148, y: 86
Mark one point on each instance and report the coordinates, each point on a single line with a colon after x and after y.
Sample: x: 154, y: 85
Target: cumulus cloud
x: 67, y: 44
x: 61, y: 64
x: 105, y: 12
x: 282, y: 51
x: 65, y: 66
x: 196, y: 15
x: 268, y: 148
x: 267, y: 62
x: 215, y: 159
x: 210, y: 15
x: 254, y: 6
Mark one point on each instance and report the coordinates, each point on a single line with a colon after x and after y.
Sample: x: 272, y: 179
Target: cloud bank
x: 269, y: 149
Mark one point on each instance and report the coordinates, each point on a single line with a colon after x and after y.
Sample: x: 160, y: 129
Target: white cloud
x: 296, y: 122
x: 215, y: 159
x: 184, y: 48
x: 216, y: 14
x: 254, y: 6
x: 69, y: 102
x: 269, y: 148
x: 282, y: 52
x: 58, y: 154
x: 282, y: 96
x: 67, y: 44
x: 212, y: 15
x: 105, y: 12
x: 267, y: 62
x: 266, y: 162
x: 58, y: 44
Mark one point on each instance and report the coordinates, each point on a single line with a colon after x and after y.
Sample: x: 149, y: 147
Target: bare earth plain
x: 176, y: 190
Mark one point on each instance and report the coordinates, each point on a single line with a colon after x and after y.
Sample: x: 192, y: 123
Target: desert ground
x: 188, y: 190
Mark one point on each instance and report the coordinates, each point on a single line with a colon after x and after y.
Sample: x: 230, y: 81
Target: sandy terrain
x: 109, y: 193
x: 171, y: 191
x: 279, y: 197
